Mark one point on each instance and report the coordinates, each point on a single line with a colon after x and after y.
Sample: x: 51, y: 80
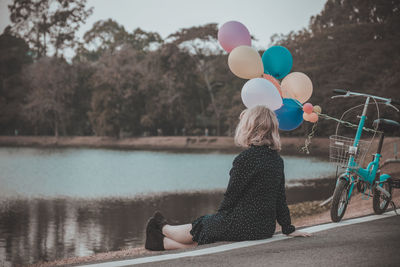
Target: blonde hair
x: 258, y: 126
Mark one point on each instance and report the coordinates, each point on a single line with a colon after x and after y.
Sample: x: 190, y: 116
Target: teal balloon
x: 290, y: 115
x: 277, y: 61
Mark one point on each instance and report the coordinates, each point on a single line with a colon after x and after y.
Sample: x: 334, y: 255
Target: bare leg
x: 178, y: 233
x: 170, y: 244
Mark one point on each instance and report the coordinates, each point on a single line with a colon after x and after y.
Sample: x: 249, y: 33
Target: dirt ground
x: 290, y: 145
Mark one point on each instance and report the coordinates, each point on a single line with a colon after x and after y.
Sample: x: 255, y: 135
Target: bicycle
x: 349, y: 153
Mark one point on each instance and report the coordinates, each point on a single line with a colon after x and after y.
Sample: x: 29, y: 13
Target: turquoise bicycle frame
x: 353, y: 170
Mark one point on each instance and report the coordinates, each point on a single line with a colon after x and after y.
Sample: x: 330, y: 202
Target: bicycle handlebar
x: 346, y: 93
x: 340, y: 91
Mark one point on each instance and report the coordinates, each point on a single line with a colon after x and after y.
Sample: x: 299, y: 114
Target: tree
x: 48, y: 23
x: 79, y: 123
x: 117, y: 103
x: 344, y: 12
x: 201, y: 44
x: 351, y: 45
x: 14, y: 55
x: 171, y: 88
x: 104, y: 36
x: 51, y: 83
x: 109, y: 36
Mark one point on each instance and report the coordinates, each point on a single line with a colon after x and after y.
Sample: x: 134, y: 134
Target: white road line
x: 236, y: 245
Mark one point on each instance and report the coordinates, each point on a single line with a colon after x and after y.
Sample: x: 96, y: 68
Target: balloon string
x: 307, y: 142
x: 346, y: 123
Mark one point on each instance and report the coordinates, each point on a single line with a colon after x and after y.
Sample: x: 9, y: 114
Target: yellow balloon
x: 297, y: 85
x: 245, y: 62
x: 317, y: 109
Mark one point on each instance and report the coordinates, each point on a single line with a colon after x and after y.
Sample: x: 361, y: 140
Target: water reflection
x: 33, y: 230
x: 47, y: 229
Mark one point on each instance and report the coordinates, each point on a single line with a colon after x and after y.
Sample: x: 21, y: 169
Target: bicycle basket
x: 341, y: 148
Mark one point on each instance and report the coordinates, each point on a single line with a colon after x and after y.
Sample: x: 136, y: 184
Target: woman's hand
x: 298, y: 233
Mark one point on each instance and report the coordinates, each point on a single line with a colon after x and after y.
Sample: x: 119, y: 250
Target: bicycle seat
x: 385, y: 123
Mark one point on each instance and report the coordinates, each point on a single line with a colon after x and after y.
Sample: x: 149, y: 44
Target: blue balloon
x: 290, y: 115
x: 277, y: 61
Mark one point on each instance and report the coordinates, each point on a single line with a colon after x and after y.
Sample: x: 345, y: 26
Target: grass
x: 308, y: 208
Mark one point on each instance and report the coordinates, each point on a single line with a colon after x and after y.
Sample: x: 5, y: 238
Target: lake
x: 58, y: 203
x: 30, y: 172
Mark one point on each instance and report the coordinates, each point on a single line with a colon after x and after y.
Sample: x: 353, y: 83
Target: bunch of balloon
x: 296, y: 88
x: 263, y: 88
x: 311, y: 112
x: 245, y: 62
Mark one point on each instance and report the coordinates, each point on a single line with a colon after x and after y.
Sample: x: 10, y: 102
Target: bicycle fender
x: 343, y: 176
x: 383, y: 177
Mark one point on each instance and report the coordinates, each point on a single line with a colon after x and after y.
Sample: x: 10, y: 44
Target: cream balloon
x: 297, y: 85
x: 259, y: 91
x: 317, y: 109
x: 245, y: 62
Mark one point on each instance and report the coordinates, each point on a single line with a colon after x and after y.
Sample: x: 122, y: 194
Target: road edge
x: 237, y: 245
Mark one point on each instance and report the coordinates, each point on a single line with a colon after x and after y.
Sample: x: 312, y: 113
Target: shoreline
x: 319, y: 146
x: 179, y: 144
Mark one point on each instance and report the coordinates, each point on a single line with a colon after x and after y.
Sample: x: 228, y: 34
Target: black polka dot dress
x: 253, y: 202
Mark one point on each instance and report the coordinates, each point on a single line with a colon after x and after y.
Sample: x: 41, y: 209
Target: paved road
x: 374, y: 243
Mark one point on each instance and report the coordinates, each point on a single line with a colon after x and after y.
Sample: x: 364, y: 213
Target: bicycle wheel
x: 339, y: 202
x: 380, y: 202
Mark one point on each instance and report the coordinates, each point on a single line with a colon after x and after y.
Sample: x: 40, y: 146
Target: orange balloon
x: 312, y: 117
x: 274, y: 82
x: 308, y: 108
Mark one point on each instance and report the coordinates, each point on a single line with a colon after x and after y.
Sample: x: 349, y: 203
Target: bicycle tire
x: 339, y: 202
x: 379, y: 201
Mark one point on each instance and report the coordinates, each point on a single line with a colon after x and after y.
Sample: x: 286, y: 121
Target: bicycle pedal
x: 367, y: 194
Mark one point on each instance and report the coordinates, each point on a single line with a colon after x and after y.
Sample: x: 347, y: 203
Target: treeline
x: 122, y: 83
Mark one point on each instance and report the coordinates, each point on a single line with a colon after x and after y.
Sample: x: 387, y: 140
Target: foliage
x: 351, y: 45
x: 14, y: 54
x: 79, y: 123
x: 117, y: 101
x: 109, y: 36
x: 123, y: 83
x: 51, y: 82
x: 44, y: 23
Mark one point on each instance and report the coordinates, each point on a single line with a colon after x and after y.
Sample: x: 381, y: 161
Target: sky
x: 263, y: 18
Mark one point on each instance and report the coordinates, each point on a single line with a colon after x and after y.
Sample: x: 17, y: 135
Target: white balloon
x: 259, y: 91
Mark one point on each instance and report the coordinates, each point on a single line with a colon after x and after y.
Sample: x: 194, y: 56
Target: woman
x: 254, y: 200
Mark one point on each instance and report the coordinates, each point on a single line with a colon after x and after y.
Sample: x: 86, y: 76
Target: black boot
x: 154, y: 237
x: 160, y: 220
